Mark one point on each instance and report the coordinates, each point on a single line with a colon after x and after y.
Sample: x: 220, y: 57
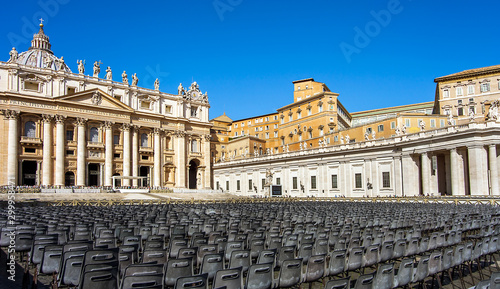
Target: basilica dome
x: 39, y: 54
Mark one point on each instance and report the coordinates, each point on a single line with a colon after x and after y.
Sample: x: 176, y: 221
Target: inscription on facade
x: 75, y: 109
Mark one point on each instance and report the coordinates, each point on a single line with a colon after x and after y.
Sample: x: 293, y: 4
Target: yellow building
x: 317, y: 118
x: 314, y: 146
x: 467, y: 95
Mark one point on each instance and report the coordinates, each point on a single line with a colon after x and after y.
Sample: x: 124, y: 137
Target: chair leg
x: 479, y: 268
x: 470, y: 271
x: 496, y: 263
x: 489, y: 264
x: 461, y: 276
x: 439, y: 280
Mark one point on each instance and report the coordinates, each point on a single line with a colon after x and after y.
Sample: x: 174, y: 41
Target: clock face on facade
x: 194, y: 94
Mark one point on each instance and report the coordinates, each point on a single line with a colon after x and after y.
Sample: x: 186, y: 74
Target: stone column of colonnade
x: 108, y: 153
x: 157, y: 158
x: 398, y: 177
x: 47, y: 150
x: 135, y: 155
x: 425, y: 165
x: 60, y: 144
x: 410, y: 176
x: 126, y: 153
x: 454, y: 169
x: 81, y: 151
x: 478, y: 170
x: 13, y: 142
x: 492, y: 155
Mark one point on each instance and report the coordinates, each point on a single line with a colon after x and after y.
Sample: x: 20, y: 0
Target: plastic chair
x: 51, y: 261
x: 386, y: 251
x: 370, y: 256
x: 315, y: 268
x: 260, y: 276
x: 399, y: 249
x: 337, y: 263
x: 99, y: 280
x: 495, y: 280
x: 305, y: 251
x: 192, y: 282
x: 229, y: 278
x: 240, y: 258
x: 72, y: 262
x: 154, y: 256
x: 211, y: 264
x: 152, y: 281
x: 143, y: 269
x: 232, y: 246
x: 422, y: 270
x: 339, y: 283
x: 405, y: 273
x: 364, y: 282
x: 267, y: 256
x: 290, y: 273
x: 384, y: 278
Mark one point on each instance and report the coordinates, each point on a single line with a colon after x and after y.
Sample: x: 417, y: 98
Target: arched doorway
x: 193, y: 172
x: 69, y: 179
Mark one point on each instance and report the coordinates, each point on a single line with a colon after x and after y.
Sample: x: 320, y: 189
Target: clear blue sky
x: 246, y: 53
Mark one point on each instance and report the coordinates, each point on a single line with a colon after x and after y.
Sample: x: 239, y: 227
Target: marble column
x: 398, y: 176
x: 12, y: 147
x: 38, y: 170
x: 47, y: 150
x: 157, y: 158
x: 126, y: 153
x: 180, y: 160
x: 410, y: 176
x: 60, y: 145
x: 206, y: 160
x: 101, y: 174
x: 108, y: 153
x: 135, y: 156
x: 492, y: 155
x: 81, y: 152
x: 478, y: 172
x: 426, y: 173
x: 455, y: 183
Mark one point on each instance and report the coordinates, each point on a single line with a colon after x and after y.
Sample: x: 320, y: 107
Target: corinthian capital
x: 81, y: 121
x: 108, y: 124
x: 157, y: 130
x: 126, y: 126
x: 179, y: 133
x: 59, y: 118
x: 47, y: 117
x: 10, y: 114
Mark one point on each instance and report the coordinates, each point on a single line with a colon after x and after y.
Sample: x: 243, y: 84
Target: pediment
x: 97, y: 98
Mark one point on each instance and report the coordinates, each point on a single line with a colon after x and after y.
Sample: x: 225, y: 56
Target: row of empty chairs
x: 292, y: 242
